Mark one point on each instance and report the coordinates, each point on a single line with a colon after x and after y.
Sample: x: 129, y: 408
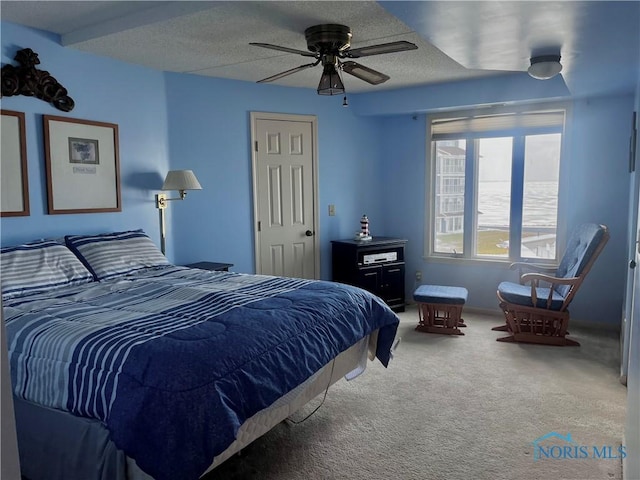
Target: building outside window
x: 495, y: 183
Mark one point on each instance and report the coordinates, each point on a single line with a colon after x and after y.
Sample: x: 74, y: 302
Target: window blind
x: 446, y: 127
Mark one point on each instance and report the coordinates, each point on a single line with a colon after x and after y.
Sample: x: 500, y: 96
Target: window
x: 494, y: 184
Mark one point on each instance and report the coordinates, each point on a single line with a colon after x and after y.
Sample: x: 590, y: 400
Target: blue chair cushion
x: 521, y: 295
x: 440, y: 294
x: 580, y: 248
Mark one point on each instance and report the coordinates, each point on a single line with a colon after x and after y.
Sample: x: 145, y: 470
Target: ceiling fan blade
x: 288, y: 72
x: 283, y: 49
x: 364, y: 73
x: 400, y: 46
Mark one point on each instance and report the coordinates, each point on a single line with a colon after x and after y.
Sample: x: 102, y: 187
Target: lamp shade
x: 181, y: 180
x: 545, y: 67
x: 330, y: 83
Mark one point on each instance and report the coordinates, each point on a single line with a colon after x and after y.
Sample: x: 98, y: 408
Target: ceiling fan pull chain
x: 345, y: 102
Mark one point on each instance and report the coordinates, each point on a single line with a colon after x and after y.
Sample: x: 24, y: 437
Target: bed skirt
x: 56, y: 445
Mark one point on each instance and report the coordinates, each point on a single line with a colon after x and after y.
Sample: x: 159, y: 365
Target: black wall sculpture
x: 28, y: 80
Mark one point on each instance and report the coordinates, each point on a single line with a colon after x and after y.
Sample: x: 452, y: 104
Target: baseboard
x: 483, y: 311
x: 598, y: 327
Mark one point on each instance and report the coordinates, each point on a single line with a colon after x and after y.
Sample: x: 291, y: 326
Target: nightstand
x: 377, y: 265
x: 220, y: 267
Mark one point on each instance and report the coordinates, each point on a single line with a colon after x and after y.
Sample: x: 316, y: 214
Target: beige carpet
x: 464, y: 407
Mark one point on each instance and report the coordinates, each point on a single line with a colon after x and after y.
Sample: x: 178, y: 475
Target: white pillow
x: 39, y: 266
x: 115, y: 254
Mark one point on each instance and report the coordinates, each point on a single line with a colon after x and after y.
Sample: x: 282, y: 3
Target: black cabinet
x: 376, y: 265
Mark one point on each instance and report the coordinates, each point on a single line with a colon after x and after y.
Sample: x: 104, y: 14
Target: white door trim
x: 313, y: 120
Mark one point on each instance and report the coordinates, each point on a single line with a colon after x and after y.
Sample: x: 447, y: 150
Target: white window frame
x: 466, y: 256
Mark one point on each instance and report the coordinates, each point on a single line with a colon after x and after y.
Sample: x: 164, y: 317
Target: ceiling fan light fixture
x: 545, y: 67
x: 330, y: 82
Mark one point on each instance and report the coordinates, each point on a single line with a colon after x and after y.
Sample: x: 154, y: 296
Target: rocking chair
x: 537, y: 314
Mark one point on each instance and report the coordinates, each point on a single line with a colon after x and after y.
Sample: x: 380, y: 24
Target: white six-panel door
x: 284, y: 195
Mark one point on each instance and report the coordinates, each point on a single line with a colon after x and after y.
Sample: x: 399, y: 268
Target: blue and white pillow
x: 115, y: 254
x: 39, y: 266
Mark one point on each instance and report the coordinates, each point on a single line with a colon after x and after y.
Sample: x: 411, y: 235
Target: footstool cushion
x: 440, y: 294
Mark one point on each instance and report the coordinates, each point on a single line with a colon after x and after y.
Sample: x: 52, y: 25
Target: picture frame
x: 14, y: 178
x: 82, y: 165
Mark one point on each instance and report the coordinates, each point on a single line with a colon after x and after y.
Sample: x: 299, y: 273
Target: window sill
x: 485, y: 262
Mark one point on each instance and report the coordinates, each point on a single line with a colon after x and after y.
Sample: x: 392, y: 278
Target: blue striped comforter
x: 174, y: 360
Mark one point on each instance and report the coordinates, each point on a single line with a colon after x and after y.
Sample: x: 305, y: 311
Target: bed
x: 127, y: 367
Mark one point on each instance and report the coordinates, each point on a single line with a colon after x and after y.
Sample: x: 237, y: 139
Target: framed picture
x: 14, y: 181
x: 83, y: 150
x: 83, y: 167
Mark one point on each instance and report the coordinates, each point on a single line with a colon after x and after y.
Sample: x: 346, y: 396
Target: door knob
x: 309, y: 233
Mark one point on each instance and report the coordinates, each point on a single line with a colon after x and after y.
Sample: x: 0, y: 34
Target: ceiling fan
x: 330, y: 43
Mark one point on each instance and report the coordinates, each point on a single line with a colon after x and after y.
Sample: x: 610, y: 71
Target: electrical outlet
x: 332, y: 210
x: 418, y: 275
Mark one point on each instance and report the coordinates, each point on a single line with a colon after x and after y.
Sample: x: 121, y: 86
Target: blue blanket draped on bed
x: 174, y: 360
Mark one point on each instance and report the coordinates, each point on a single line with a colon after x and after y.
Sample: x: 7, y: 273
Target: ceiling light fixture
x: 545, y: 67
x: 328, y: 43
x: 330, y: 83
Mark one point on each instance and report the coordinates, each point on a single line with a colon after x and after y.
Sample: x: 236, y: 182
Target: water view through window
x: 537, y: 165
x: 494, y: 196
x: 540, y: 197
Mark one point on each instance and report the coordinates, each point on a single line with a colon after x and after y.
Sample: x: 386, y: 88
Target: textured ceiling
x: 456, y: 40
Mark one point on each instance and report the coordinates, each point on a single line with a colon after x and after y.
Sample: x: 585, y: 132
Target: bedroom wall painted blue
x: 369, y: 162
x: 175, y: 121
x: 210, y: 132
x: 103, y: 90
x: 502, y: 88
x: 594, y: 188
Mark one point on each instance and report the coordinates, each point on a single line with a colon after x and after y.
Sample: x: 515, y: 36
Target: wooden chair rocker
x: 538, y: 314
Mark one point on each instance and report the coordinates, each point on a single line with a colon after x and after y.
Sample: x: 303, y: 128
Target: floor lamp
x: 181, y: 180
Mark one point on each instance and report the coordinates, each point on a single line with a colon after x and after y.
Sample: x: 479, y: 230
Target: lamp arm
x: 183, y: 194
x: 161, y: 198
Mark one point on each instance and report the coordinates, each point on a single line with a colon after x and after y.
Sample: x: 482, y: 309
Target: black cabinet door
x: 393, y: 284
x: 370, y: 278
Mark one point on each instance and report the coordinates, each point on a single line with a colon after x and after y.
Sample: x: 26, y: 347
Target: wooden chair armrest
x: 536, y: 278
x: 524, y: 267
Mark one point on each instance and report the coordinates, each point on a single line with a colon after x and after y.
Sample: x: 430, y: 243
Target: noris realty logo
x: 554, y: 446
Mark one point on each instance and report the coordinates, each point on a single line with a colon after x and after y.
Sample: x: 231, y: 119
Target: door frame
x: 633, y: 246
x: 287, y: 117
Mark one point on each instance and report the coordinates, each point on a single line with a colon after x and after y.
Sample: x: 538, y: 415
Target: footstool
x: 440, y: 308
